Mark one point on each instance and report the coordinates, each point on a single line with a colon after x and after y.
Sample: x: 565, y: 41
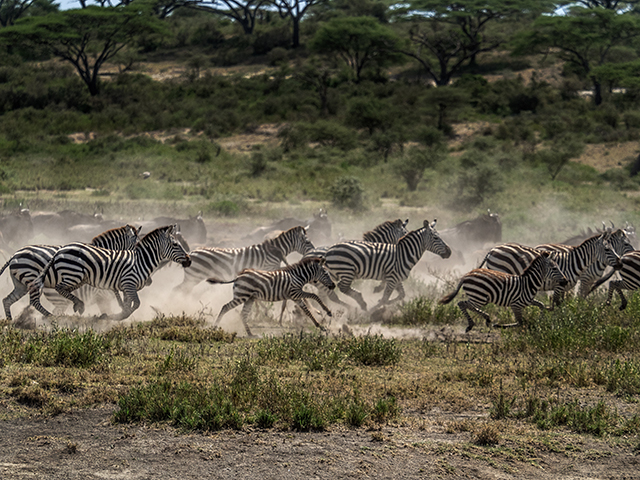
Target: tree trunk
x: 295, y: 39
x: 597, y: 92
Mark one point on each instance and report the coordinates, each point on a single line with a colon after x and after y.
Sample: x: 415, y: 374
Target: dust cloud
x: 432, y: 276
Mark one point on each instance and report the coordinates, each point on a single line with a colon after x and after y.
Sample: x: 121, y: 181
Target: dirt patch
x: 85, y: 445
x: 604, y: 157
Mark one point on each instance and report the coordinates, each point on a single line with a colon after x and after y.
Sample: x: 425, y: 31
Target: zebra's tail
x: 4, y: 267
x: 484, y: 260
x: 447, y: 298
x: 38, y: 282
x: 601, y: 281
x: 217, y: 280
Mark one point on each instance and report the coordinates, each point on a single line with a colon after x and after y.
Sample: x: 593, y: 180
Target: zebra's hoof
x: 468, y: 329
x: 329, y: 314
x: 622, y: 307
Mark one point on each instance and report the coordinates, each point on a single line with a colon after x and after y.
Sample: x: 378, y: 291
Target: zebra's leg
x: 65, y: 290
x: 244, y: 315
x: 333, y: 296
x: 305, y: 309
x: 313, y: 296
x: 345, y: 287
x: 284, y: 306
x: 229, y: 306
x: 463, y: 305
x: 617, y: 286
x: 131, y: 303
x: 34, y: 300
x: 539, y: 304
x: 19, y: 291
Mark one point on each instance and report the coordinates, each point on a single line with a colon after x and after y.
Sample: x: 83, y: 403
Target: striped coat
x: 227, y: 263
x: 275, y: 286
x: 483, y: 286
x: 513, y: 258
x: 630, y: 278
x: 392, y: 264
x: 27, y: 263
x: 120, y: 271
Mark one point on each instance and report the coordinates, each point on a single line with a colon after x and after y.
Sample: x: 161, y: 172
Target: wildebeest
x: 318, y: 229
x: 56, y: 226
x: 192, y: 229
x: 16, y: 228
x: 471, y: 235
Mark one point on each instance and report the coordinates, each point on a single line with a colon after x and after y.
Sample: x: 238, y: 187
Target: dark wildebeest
x: 318, y: 229
x: 467, y: 237
x: 57, y: 227
x: 16, y: 228
x: 192, y: 229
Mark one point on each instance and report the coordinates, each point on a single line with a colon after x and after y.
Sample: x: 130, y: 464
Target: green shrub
x: 374, y: 350
x: 347, y: 192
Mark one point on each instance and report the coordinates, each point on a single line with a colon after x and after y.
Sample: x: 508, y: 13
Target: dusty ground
x: 85, y: 445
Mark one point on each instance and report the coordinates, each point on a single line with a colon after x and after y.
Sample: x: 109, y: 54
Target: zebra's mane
x: 271, y: 241
x: 303, y: 261
x: 153, y: 234
x: 111, y: 230
x: 543, y: 254
x: 380, y: 227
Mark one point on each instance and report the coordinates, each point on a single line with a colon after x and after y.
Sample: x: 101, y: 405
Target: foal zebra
x: 285, y: 283
x: 27, y: 263
x: 127, y: 271
x: 378, y: 261
x: 484, y: 286
x: 513, y: 258
x: 630, y: 274
x: 226, y: 263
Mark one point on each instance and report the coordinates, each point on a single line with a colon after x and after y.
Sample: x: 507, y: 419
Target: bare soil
x: 85, y: 445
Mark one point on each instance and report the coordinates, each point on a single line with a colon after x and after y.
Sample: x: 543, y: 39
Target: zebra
x: 387, y: 232
x: 630, y: 274
x: 227, y: 263
x: 77, y: 264
x: 514, y: 258
x: 27, y: 263
x: 620, y: 243
x: 272, y: 286
x: 484, y: 286
x: 378, y: 261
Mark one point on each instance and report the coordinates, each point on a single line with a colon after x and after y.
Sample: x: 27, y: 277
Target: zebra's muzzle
x: 186, y: 263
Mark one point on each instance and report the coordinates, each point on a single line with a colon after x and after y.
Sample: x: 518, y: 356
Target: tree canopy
x: 86, y: 38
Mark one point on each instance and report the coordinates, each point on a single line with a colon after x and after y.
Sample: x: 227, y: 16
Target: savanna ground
x: 401, y: 394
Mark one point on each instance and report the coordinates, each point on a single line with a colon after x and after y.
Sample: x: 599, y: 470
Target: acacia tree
x: 12, y: 10
x: 244, y: 12
x: 585, y: 39
x: 447, y: 36
x: 86, y: 38
x: 295, y: 10
x: 358, y: 41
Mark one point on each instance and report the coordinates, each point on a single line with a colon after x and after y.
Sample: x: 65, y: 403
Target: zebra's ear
x: 432, y: 225
x: 404, y: 224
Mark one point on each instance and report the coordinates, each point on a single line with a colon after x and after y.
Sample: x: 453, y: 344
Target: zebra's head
x: 297, y: 239
x: 620, y: 242
x: 168, y: 247
x: 131, y: 236
x: 606, y: 253
x: 433, y: 241
x: 319, y: 274
x: 551, y: 273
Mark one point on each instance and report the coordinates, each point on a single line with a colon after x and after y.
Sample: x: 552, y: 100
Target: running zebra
x: 387, y: 232
x: 378, y: 261
x: 513, y: 258
x: 127, y: 271
x: 484, y: 286
x: 620, y: 243
x: 274, y: 286
x: 27, y: 263
x: 227, y: 263
x: 630, y: 274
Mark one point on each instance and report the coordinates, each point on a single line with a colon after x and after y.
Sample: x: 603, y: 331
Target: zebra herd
x: 119, y: 260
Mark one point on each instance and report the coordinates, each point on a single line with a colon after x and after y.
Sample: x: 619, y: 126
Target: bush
x: 347, y: 192
x: 412, y: 165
